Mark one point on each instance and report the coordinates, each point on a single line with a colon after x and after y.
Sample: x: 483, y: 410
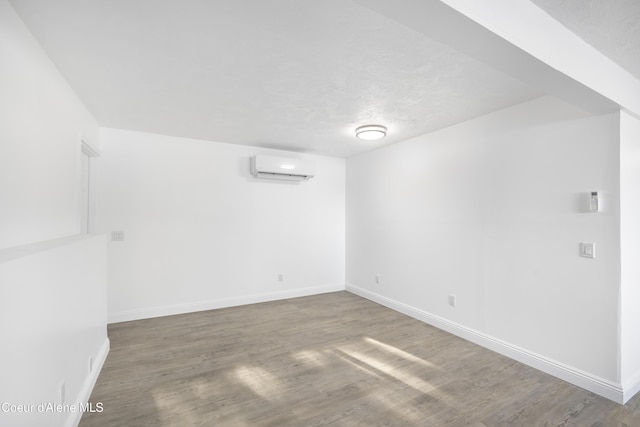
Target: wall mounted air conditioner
x: 282, y: 168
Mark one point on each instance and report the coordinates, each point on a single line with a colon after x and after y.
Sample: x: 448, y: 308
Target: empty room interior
x: 297, y: 213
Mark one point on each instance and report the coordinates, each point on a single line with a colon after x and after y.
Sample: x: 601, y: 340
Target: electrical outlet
x: 378, y: 278
x: 452, y: 300
x: 280, y: 277
x: 117, y: 236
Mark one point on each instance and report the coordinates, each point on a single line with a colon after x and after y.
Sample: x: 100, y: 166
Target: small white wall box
x: 594, y: 202
x: 587, y: 250
x: 282, y: 168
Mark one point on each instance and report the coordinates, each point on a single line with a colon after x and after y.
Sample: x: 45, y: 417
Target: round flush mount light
x: 371, y: 132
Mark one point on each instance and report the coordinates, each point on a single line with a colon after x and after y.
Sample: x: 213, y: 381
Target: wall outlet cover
x: 117, y: 236
x: 452, y: 300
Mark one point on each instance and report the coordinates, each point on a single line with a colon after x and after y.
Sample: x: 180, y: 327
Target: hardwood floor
x: 333, y: 359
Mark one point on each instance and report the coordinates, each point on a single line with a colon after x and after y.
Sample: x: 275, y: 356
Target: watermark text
x: 44, y: 407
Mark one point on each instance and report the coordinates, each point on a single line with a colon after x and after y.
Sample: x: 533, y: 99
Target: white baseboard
x: 595, y: 384
x: 190, y: 307
x: 631, y: 387
x: 85, y: 393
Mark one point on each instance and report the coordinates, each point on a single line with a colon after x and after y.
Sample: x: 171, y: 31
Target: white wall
x: 630, y: 236
x: 41, y: 119
x: 53, y: 316
x: 201, y: 233
x: 492, y: 211
x: 52, y: 287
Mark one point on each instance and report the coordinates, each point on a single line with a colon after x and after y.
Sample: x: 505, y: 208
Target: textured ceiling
x: 290, y: 74
x: 610, y: 26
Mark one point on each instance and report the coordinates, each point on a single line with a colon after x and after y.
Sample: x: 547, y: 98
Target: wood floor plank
x: 326, y: 360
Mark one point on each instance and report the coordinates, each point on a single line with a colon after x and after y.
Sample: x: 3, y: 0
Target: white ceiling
x: 292, y: 74
x: 611, y: 26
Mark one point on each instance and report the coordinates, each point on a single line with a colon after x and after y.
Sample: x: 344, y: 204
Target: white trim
x: 87, y: 149
x: 631, y: 387
x: 190, y: 307
x: 593, y: 383
x: 85, y: 393
x: 87, y: 209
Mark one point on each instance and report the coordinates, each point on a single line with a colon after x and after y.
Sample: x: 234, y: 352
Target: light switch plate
x: 587, y: 250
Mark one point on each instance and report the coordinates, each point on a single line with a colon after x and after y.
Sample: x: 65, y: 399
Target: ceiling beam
x: 520, y: 39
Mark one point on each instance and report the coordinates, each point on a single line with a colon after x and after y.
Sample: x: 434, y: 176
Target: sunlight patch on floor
x: 174, y: 408
x: 354, y: 362
x: 401, y: 353
x: 404, y: 412
x: 396, y: 373
x: 259, y: 380
x: 200, y: 387
x: 310, y: 357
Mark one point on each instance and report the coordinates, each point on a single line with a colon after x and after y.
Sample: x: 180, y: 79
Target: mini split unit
x: 282, y: 168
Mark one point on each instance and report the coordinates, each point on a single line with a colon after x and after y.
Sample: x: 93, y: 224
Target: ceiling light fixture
x: 371, y: 132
